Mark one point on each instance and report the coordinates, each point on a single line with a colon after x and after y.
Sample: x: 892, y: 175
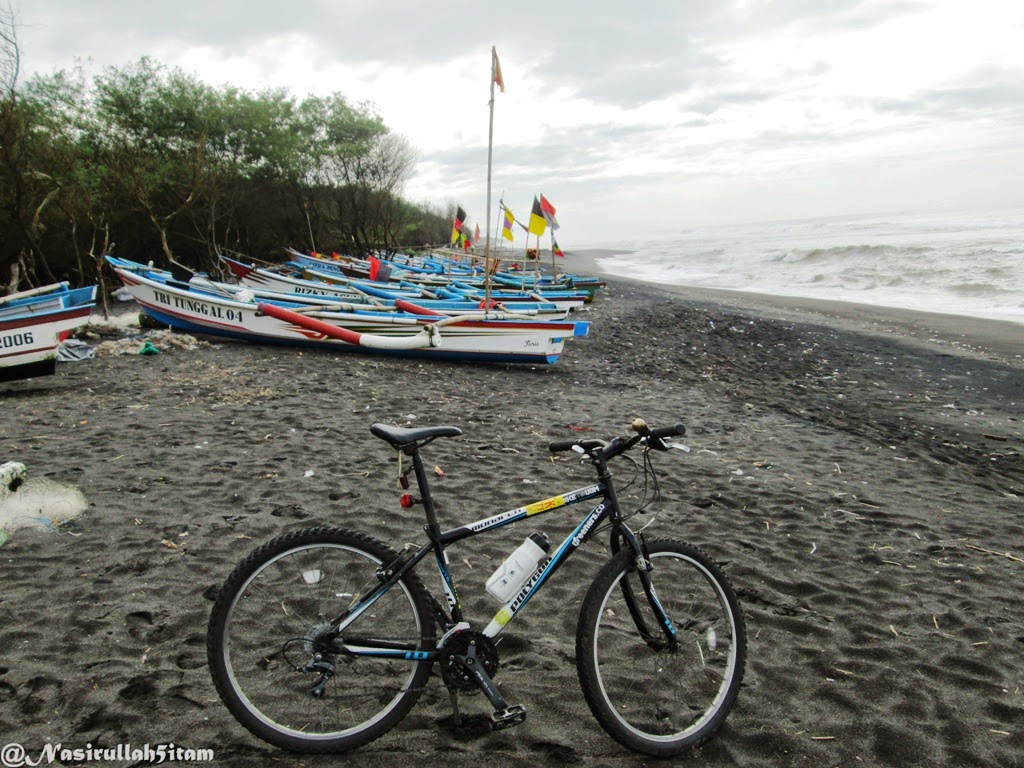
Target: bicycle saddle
x: 399, y: 437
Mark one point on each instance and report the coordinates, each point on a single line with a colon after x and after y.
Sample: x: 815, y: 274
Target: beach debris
x: 148, y: 348
x: 26, y: 501
x: 12, y: 475
x: 308, y: 473
x: 439, y: 472
x: 165, y: 340
x: 73, y: 350
x: 578, y: 428
x: 1007, y: 555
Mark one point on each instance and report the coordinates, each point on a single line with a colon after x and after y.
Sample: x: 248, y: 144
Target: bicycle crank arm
x: 505, y: 715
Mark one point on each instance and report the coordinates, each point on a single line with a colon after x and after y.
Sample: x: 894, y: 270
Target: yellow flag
x: 537, y: 221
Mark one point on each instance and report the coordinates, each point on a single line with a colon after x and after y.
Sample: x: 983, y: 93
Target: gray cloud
x: 617, y: 60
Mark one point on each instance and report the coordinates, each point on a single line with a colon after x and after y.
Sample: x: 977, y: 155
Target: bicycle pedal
x: 508, y: 717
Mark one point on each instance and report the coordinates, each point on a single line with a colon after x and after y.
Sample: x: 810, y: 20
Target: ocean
x: 966, y: 263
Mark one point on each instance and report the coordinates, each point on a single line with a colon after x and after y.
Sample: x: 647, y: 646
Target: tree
x: 156, y: 140
x: 162, y: 163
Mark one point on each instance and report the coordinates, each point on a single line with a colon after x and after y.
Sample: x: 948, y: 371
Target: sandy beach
x: 858, y: 473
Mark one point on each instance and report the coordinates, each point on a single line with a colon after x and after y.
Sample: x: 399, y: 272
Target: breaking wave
x: 965, y: 263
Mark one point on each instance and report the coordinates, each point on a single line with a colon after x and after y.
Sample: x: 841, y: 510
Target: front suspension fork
x: 666, y: 638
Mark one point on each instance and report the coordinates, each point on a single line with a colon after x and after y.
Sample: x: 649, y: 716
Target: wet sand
x: 860, y: 480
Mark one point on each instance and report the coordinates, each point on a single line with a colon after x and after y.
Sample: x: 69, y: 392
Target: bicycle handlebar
x: 619, y: 445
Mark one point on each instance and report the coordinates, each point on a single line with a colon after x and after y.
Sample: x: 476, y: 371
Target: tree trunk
x: 12, y: 286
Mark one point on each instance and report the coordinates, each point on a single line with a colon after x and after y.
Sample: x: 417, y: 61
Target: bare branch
x: 10, y: 56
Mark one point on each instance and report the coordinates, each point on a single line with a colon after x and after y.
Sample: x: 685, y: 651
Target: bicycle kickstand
x: 505, y: 715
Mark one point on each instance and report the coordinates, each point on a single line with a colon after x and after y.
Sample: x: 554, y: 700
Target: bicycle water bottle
x: 513, y: 574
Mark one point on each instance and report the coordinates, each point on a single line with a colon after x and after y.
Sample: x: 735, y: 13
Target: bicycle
x: 323, y: 639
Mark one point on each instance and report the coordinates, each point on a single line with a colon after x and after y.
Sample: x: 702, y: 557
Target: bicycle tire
x: 661, y: 702
x: 263, y: 629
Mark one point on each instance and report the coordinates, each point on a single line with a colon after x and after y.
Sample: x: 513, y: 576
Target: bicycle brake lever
x: 679, y: 447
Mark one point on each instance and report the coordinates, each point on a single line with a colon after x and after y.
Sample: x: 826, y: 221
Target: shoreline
x: 1000, y: 340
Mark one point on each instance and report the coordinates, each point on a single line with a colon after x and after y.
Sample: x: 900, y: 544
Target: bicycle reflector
x: 407, y: 501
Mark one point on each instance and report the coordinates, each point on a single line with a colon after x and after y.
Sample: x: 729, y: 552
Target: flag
x: 496, y: 70
x: 537, y: 221
x: 549, y: 212
x: 460, y: 217
x: 379, y: 270
x: 476, y: 235
x: 506, y: 232
x: 555, y: 249
x: 466, y: 238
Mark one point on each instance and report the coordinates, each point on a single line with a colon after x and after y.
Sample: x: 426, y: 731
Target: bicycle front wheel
x: 648, y: 696
x: 282, y: 671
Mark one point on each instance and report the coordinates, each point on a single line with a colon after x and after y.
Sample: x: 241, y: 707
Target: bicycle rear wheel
x: 274, y: 659
x: 649, y: 698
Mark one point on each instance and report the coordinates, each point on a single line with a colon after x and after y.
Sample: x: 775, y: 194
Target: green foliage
x: 170, y: 168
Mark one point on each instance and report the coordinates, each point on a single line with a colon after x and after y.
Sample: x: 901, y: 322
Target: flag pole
x: 553, y: 271
x: 501, y: 223
x: 490, y: 153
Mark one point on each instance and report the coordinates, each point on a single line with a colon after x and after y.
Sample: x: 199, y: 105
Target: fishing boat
x: 449, y: 286
x: 336, y: 287
x: 408, y: 331
x: 32, y: 325
x: 44, y: 299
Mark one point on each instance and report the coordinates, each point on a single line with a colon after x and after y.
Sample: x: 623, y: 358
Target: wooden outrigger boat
x: 32, y: 325
x: 444, y: 301
x: 409, y: 331
x: 513, y: 287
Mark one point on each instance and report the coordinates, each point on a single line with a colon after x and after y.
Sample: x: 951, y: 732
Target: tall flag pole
x: 496, y: 79
x: 548, y: 210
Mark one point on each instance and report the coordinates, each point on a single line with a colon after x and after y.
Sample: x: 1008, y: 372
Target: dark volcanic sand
x: 861, y: 492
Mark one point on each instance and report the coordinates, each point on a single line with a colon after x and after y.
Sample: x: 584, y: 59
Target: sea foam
x: 963, y: 263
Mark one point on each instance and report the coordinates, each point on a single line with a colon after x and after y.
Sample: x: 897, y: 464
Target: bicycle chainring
x: 456, y: 676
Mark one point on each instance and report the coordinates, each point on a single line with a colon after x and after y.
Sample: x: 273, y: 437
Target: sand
x: 859, y: 479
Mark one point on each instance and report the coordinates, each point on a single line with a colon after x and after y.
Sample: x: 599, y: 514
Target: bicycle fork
x: 667, y: 637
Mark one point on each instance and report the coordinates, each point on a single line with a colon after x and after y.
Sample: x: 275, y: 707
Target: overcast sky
x: 645, y: 117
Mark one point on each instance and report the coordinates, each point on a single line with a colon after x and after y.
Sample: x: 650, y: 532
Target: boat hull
x: 472, y: 340
x: 28, y: 343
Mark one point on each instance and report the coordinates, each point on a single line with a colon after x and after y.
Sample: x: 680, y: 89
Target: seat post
x: 421, y: 480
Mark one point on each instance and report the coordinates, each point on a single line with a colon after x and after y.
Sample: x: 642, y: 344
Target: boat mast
x: 490, y: 152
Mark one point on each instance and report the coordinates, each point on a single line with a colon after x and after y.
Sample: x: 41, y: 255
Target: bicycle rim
x: 652, y: 699
x: 271, y: 633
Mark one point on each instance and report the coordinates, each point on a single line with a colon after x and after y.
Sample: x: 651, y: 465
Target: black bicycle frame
x: 439, y: 540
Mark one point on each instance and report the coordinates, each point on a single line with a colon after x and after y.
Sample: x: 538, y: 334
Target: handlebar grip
x: 561, y: 445
x: 676, y: 430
